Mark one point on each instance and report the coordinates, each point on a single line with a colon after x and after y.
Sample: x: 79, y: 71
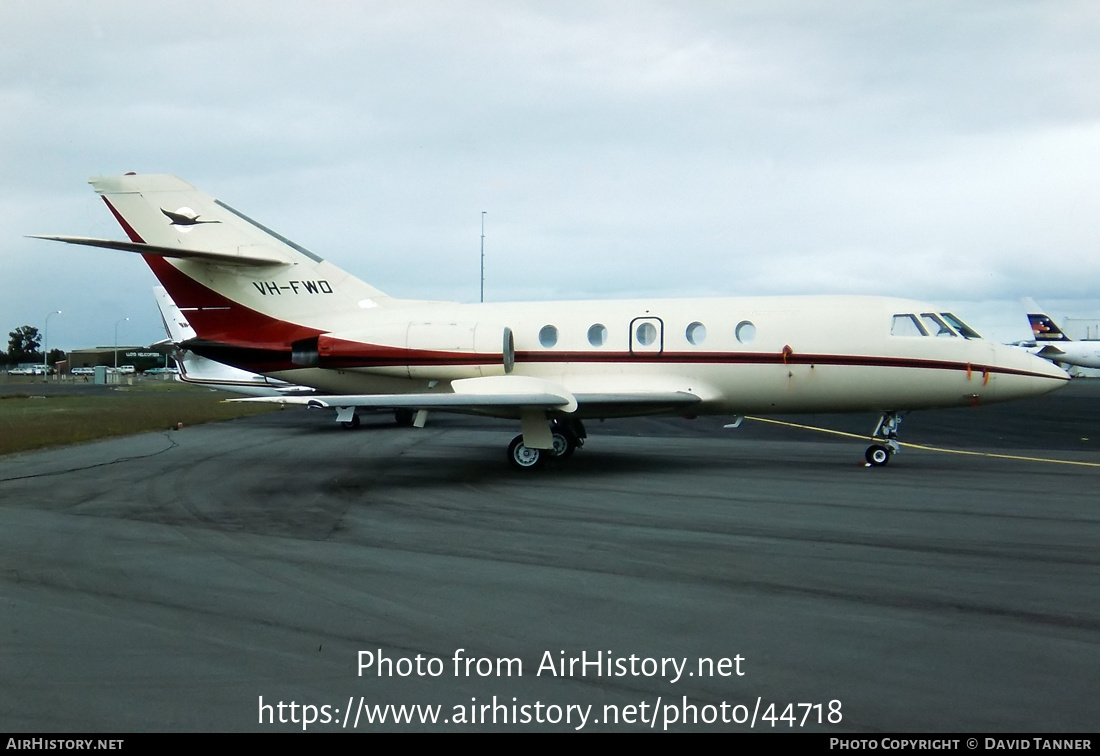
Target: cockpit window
x: 906, y: 325
x: 935, y: 326
x: 961, y: 327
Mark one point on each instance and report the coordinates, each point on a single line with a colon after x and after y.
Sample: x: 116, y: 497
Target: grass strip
x: 29, y: 422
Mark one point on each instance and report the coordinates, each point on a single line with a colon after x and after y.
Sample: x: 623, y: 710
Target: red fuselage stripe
x: 384, y: 356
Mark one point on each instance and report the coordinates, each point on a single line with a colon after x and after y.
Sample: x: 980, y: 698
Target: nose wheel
x: 885, y: 439
x: 878, y: 455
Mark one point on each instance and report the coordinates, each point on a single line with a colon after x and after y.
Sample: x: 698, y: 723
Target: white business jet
x: 1052, y: 343
x: 264, y: 304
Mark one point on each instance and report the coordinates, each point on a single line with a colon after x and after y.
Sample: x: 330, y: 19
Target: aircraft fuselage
x: 737, y: 355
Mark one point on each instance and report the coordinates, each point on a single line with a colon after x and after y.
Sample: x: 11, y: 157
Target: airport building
x: 1082, y: 329
x: 141, y: 357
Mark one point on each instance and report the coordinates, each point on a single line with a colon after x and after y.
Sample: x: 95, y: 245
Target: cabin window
x: 548, y: 336
x: 597, y: 335
x: 745, y: 332
x: 646, y: 334
x: 935, y: 326
x: 906, y: 325
x: 966, y: 331
x: 696, y: 333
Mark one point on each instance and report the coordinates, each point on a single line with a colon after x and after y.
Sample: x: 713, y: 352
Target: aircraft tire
x: 351, y: 424
x: 564, y: 445
x: 524, y: 458
x: 404, y: 417
x: 877, y: 455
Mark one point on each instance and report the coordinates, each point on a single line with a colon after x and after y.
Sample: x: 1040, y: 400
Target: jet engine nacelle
x: 421, y: 349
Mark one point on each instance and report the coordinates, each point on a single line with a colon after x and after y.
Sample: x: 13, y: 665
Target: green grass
x: 30, y: 422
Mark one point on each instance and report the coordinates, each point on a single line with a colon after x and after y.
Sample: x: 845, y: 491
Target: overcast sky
x: 947, y: 151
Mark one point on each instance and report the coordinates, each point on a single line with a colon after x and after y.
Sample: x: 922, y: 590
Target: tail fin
x: 166, y: 211
x: 238, y: 283
x: 1043, y: 326
x: 175, y: 324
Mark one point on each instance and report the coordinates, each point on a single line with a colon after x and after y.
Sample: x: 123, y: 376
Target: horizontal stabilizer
x: 241, y: 258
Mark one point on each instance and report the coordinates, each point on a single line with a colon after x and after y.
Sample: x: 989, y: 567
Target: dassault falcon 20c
x: 262, y: 303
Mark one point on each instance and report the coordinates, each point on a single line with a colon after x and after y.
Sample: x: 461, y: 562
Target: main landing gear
x: 566, y: 436
x: 885, y: 439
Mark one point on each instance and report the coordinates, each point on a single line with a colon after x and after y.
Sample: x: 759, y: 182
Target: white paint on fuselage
x: 729, y: 376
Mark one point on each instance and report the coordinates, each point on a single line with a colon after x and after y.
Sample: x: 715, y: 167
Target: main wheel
x: 564, y: 445
x: 353, y: 423
x: 877, y: 455
x: 404, y: 417
x: 523, y: 457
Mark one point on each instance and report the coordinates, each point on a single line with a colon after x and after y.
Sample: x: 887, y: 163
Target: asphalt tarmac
x: 195, y: 580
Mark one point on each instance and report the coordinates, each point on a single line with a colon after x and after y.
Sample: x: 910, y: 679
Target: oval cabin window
x: 745, y: 332
x: 696, y: 333
x: 597, y: 335
x: 548, y: 336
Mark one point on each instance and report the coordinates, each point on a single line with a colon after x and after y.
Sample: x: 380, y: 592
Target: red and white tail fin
x: 239, y: 283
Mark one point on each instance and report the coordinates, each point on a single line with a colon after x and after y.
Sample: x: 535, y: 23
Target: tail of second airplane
x: 240, y: 285
x: 175, y: 323
x: 204, y: 372
x: 1043, y: 326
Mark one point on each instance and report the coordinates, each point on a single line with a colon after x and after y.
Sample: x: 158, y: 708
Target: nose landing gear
x: 885, y: 439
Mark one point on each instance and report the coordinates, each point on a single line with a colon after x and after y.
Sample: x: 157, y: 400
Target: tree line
x: 25, y: 344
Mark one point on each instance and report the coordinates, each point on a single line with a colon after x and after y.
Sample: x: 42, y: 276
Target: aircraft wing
x: 426, y: 401
x: 499, y: 393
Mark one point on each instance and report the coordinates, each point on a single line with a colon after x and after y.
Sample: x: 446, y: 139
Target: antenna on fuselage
x: 482, y: 255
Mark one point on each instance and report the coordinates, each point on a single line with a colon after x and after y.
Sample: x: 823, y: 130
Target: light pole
x: 46, y: 345
x: 116, y: 339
